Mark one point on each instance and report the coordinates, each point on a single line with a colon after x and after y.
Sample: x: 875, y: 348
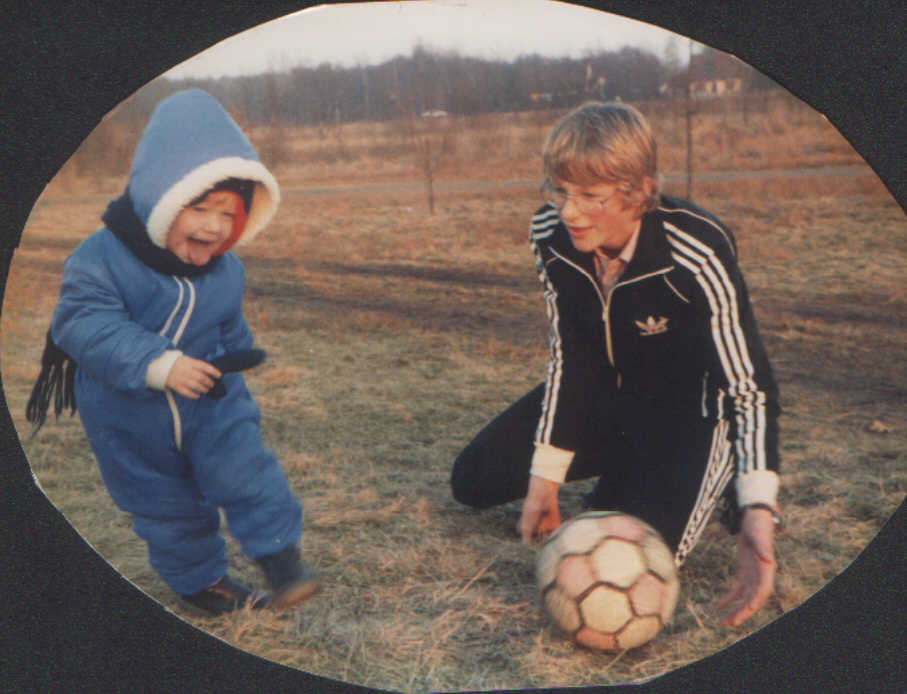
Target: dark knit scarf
x: 56, y: 381
x: 121, y: 219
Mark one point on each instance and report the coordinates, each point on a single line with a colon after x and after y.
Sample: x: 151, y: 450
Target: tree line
x: 427, y: 82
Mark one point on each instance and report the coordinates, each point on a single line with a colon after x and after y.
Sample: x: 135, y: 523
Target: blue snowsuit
x: 172, y: 461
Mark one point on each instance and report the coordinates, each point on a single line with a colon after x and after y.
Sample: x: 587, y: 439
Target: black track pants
x: 666, y: 467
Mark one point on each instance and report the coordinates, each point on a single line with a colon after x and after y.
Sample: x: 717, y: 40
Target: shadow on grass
x: 423, y: 306
x: 416, y: 272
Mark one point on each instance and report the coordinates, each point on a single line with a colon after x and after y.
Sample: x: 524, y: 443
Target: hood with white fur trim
x: 190, y: 144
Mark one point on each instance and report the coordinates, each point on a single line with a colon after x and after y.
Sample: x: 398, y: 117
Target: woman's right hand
x: 541, y: 514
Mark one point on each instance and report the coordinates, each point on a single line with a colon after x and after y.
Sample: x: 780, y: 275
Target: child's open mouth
x: 200, y: 250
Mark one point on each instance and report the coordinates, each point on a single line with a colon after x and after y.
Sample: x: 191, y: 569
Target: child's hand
x: 190, y: 377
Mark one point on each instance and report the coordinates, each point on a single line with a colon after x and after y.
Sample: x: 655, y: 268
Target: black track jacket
x: 677, y: 331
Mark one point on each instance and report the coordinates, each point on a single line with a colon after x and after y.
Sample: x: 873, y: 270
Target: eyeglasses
x: 586, y: 203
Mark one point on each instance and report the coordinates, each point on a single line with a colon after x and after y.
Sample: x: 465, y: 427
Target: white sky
x: 366, y: 33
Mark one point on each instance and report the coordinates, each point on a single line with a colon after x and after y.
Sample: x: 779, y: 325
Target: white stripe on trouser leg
x: 718, y: 473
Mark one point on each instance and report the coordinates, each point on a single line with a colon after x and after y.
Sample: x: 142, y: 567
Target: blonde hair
x: 604, y: 143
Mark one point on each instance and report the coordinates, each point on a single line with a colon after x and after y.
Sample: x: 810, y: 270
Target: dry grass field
x: 393, y: 335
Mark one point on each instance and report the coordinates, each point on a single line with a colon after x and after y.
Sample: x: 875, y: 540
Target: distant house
x: 434, y: 113
x: 712, y: 74
x: 710, y: 88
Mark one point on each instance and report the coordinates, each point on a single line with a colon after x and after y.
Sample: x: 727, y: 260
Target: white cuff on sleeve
x: 159, y: 369
x: 757, y: 487
x: 550, y: 462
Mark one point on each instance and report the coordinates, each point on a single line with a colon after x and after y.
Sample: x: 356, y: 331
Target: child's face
x: 200, y: 229
x: 608, y: 227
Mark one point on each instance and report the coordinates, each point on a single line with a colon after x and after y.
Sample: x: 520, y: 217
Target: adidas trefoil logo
x: 652, y: 326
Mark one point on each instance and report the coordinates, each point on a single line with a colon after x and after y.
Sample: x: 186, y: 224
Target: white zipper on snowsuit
x: 171, y: 402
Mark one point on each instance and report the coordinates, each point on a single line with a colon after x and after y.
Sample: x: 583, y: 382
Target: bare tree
x: 419, y: 90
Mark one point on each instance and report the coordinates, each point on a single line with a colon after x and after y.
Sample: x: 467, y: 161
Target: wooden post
x: 689, y: 120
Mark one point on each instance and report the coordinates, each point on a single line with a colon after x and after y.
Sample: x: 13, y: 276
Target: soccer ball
x: 608, y: 580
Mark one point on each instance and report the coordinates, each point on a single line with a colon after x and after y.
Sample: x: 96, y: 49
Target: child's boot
x: 289, y: 578
x: 226, y: 595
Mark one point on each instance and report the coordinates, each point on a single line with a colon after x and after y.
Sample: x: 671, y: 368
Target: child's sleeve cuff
x: 159, y: 369
x: 757, y: 487
x: 550, y: 462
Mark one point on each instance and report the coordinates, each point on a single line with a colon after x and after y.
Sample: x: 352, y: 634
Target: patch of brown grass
x: 394, y: 335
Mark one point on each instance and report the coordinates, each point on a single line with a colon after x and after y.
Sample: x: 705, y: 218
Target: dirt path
x: 821, y: 172
x: 101, y: 199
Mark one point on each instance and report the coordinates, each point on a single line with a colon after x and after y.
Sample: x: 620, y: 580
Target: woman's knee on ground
x: 464, y: 482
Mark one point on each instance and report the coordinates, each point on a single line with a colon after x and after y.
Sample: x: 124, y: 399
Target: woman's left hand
x: 756, y: 568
